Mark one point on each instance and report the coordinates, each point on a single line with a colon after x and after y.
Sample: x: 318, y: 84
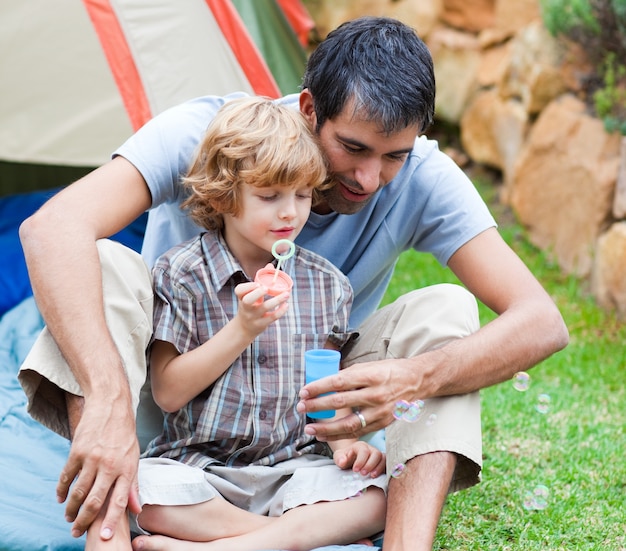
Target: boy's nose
x: 288, y: 209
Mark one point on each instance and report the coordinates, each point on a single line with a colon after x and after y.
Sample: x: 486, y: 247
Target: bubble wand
x: 273, y: 278
x: 281, y: 257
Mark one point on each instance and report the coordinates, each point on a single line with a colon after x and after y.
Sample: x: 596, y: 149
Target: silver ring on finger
x: 361, y: 418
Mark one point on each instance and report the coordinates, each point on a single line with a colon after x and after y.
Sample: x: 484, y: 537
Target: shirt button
x: 262, y: 359
x: 262, y: 415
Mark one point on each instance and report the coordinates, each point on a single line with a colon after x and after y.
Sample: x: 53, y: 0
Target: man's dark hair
x: 383, y: 65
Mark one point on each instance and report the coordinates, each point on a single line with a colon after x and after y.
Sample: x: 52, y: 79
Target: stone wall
x: 515, y: 94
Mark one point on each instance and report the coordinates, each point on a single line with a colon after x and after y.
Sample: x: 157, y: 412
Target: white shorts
x: 258, y: 489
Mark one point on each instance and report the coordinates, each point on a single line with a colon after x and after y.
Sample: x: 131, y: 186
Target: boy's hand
x: 255, y: 313
x: 362, y: 457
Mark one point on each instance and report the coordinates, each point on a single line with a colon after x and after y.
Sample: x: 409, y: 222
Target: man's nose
x: 368, y: 175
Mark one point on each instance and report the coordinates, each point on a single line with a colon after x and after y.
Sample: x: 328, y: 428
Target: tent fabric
x: 244, y: 48
x: 81, y: 76
x: 207, y: 33
x: 120, y: 59
x: 299, y: 19
x: 59, y: 103
x: 275, y: 36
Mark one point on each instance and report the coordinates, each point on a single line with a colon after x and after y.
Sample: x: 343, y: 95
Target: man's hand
x: 102, y: 466
x: 371, y: 387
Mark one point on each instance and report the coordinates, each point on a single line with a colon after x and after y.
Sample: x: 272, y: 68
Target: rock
x: 533, y: 74
x: 512, y: 15
x: 493, y: 64
x: 619, y: 203
x: 563, y: 182
x: 329, y: 14
x: 422, y: 15
x: 493, y: 131
x: 576, y: 70
x: 456, y: 56
x: 608, y: 280
x: 468, y: 15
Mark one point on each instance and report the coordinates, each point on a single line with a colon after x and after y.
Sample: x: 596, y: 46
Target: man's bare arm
x: 528, y: 329
x: 59, y: 243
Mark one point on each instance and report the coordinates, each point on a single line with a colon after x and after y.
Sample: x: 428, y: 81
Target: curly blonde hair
x: 255, y: 141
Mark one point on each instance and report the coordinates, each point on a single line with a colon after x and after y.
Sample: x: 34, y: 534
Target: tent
x: 78, y: 77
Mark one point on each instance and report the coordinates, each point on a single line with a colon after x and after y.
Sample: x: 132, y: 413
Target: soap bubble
x: 521, y: 381
x: 529, y: 501
x: 397, y: 470
x: 537, y: 499
x: 414, y: 412
x: 401, y: 407
x: 543, y: 403
x: 541, y: 494
x: 408, y: 411
x: 353, y: 482
x: 348, y: 480
x: 431, y: 419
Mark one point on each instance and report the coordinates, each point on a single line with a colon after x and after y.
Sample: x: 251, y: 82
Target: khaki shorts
x: 417, y: 322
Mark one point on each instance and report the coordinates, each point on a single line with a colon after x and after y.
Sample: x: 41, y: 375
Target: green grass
x: 577, y: 449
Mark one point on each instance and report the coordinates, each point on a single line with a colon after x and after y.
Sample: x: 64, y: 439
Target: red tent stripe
x: 242, y: 45
x: 120, y: 61
x: 299, y: 19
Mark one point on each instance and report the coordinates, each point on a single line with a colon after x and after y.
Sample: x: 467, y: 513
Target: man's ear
x: 307, y: 107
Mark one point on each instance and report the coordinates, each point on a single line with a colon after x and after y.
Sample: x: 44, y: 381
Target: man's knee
x: 445, y: 301
x: 429, y: 318
x: 416, y: 322
x: 124, y: 274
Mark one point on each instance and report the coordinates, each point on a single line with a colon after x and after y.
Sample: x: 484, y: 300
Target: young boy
x: 233, y: 462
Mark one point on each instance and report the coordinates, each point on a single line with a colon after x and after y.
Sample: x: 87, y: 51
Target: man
x: 368, y: 92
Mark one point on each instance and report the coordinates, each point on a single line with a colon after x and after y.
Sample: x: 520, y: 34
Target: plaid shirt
x: 248, y: 416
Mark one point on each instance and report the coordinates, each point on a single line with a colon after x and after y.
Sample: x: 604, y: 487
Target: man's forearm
x: 513, y: 342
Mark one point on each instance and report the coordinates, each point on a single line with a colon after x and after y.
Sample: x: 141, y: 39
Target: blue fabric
x: 32, y: 456
x: 14, y: 283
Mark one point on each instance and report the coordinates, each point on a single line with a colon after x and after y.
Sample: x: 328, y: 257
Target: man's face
x: 362, y: 159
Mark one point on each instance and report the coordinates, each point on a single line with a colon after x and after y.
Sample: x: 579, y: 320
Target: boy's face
x: 362, y: 159
x: 267, y: 214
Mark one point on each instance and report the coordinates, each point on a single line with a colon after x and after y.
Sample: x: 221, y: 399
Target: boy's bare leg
x: 206, y: 521
x: 302, y: 528
x: 415, y: 502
